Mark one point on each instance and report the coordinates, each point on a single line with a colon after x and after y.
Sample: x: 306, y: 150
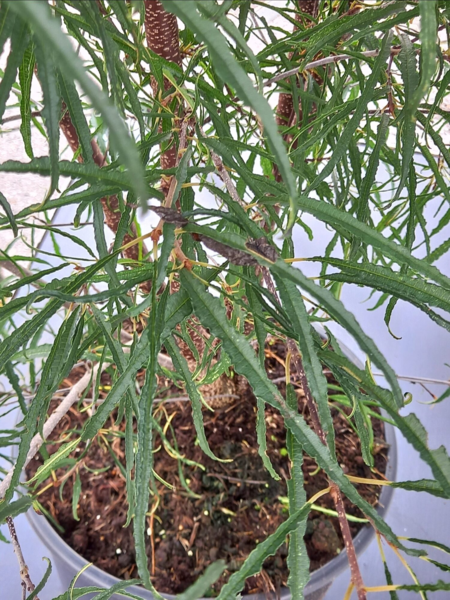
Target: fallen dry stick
x: 53, y: 420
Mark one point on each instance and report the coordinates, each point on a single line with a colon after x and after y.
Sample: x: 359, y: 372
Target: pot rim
x: 318, y: 579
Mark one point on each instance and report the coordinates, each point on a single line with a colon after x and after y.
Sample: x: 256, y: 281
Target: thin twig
x: 27, y: 584
x: 35, y: 113
x: 224, y: 175
x: 236, y: 479
x: 322, y: 62
x: 418, y: 379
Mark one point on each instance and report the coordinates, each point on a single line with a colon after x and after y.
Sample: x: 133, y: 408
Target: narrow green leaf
x: 178, y: 308
x: 7, y: 21
x: 144, y: 454
x: 204, y: 582
x: 9, y: 214
x: 430, y: 486
x: 138, y: 358
x: 40, y: 586
x: 209, y: 9
x: 15, y: 384
x: 408, y: 69
x: 428, y: 35
x: 182, y: 369
x: 129, y: 460
x: 262, y: 439
x: 366, y: 96
x: 75, y: 107
x: 441, y: 92
x: 298, y: 560
x: 369, y: 178
x: 13, y: 509
x: 432, y: 543
x: 26, y: 71
x: 51, y: 110
x: 87, y: 173
x: 292, y: 302
x: 117, y: 588
x: 133, y: 98
x: 440, y: 586
x: 47, y: 29
x: 364, y: 429
x: 52, y: 463
x: 436, y: 171
x: 20, y: 37
x: 256, y: 558
x: 76, y: 496
x: 166, y: 249
x: 100, y: 240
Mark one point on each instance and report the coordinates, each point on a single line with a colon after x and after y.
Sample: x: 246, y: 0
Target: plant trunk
x: 161, y: 30
x: 110, y: 204
x: 285, y: 115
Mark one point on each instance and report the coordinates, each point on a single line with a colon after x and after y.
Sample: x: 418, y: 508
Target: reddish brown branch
x: 335, y: 491
x: 110, y: 204
x: 285, y: 114
x: 161, y: 31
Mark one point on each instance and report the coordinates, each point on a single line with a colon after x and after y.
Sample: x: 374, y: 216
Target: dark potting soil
x: 199, y: 514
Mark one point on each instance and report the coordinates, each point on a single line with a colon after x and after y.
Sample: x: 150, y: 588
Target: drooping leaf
x: 26, y: 71
x: 298, y: 560
x: 182, y: 369
x: 293, y: 304
x: 256, y: 558
x: 20, y: 37
x: 13, y: 509
x: 51, y: 110
x: 47, y: 30
x: 9, y: 214
x: 231, y: 71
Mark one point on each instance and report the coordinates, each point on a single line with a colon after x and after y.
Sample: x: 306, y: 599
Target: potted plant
x: 230, y: 129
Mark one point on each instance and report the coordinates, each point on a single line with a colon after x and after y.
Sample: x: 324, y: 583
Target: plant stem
x: 27, y: 584
x: 322, y: 62
x: 110, y: 205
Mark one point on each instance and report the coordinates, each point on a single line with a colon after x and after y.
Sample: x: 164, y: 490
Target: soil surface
x: 202, y: 510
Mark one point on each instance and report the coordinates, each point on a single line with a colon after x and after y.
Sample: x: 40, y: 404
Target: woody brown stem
x: 110, y: 204
x: 161, y: 32
x: 285, y: 109
x: 335, y: 491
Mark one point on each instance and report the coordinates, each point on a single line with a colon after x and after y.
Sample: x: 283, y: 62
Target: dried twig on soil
x: 53, y: 420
